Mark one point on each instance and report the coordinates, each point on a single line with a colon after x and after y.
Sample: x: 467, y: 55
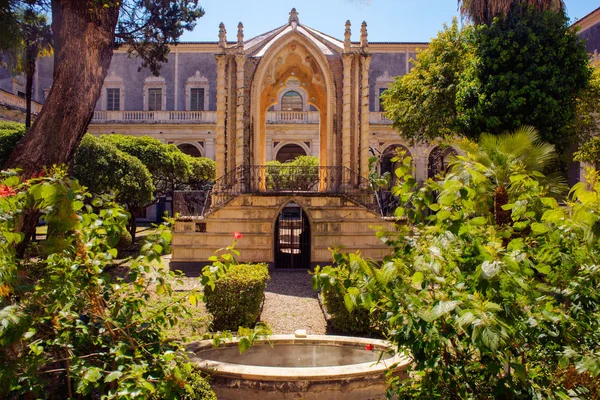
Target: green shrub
x: 237, y: 295
x: 359, y: 321
x: 9, y: 137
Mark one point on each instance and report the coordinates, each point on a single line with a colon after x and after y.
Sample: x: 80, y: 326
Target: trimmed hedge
x: 237, y: 296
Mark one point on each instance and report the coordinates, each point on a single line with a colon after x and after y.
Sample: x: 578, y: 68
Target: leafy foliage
x: 588, y: 106
x: 302, y: 173
x: 67, y: 328
x: 356, y: 321
x: 233, y: 292
x: 486, y: 310
x: 589, y: 152
x: 145, y: 27
x: 421, y: 103
x: 10, y: 134
x: 105, y: 169
x: 170, y: 168
x: 484, y: 11
x: 527, y: 69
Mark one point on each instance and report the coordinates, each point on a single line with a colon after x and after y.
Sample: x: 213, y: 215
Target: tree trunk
x: 30, y: 72
x: 84, y: 35
x: 502, y: 217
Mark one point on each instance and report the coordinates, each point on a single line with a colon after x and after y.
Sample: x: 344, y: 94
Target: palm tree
x: 34, y: 41
x: 500, y: 157
x: 484, y: 11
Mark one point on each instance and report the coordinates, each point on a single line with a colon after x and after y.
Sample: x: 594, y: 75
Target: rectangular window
x: 155, y: 99
x: 197, y: 99
x: 381, y: 108
x: 113, y: 99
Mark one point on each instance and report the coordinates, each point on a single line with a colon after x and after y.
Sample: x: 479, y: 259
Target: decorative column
x: 220, y: 129
x: 364, y: 115
x: 346, y: 99
x: 364, y: 102
x: 240, y: 60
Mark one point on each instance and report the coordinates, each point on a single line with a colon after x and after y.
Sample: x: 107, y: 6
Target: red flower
x: 237, y: 235
x: 6, y: 191
x: 369, y: 347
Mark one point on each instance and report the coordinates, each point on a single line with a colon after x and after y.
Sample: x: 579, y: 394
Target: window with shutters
x: 197, y: 99
x: 113, y: 99
x: 155, y: 99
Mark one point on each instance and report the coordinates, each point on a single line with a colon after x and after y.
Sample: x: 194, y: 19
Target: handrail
x: 284, y: 180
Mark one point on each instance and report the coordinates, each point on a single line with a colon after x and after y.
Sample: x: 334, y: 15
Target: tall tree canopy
x: 33, y: 40
x: 528, y: 69
x: 484, y: 11
x: 422, y: 103
x: 85, y: 34
x: 525, y: 68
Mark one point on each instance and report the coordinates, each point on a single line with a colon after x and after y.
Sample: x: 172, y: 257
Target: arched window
x: 291, y: 101
x: 289, y: 152
x: 439, y: 161
x: 189, y: 149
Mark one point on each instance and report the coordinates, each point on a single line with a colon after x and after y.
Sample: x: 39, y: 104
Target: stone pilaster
x: 240, y: 61
x: 346, y: 110
x: 221, y: 108
x: 209, y: 148
x: 364, y: 115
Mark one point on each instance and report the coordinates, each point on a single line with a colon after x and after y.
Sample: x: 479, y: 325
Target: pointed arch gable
x: 327, y: 151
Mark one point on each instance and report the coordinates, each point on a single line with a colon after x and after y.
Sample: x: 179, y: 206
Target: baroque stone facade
x: 290, y: 91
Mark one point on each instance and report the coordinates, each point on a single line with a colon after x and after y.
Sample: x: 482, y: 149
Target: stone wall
x: 334, y: 221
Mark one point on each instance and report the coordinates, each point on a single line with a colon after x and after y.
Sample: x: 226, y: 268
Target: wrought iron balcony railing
x: 267, y: 179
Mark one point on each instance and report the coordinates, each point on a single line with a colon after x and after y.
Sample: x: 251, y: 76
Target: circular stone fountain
x: 288, y: 367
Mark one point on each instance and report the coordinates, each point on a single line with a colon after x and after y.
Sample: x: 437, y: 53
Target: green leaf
x: 418, y: 278
x: 353, y: 291
x: 348, y: 302
x: 544, y: 269
x: 244, y: 344
x: 92, y: 374
x: 539, y: 228
x: 113, y: 376
x: 478, y: 221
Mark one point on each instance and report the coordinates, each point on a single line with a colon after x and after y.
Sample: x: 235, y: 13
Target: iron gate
x: 292, y: 238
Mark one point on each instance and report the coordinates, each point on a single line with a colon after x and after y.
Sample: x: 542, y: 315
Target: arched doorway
x: 292, y: 238
x: 439, y: 161
x: 289, y: 152
x: 189, y: 149
x: 390, y: 152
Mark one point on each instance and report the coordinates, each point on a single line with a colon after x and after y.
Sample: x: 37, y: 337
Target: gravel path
x: 291, y: 303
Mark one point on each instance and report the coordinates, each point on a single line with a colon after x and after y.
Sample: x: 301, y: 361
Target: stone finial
x: 294, y: 16
x: 222, y: 36
x: 347, y: 34
x: 240, y: 35
x: 363, y: 35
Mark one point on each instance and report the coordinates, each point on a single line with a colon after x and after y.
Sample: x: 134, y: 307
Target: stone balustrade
x: 379, y: 118
x: 12, y: 100
x: 207, y: 117
x: 292, y: 117
x: 172, y: 117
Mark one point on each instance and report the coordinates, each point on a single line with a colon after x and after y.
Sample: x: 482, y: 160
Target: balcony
x: 11, y: 100
x: 280, y: 180
x: 292, y: 117
x: 379, y: 118
x: 153, y: 117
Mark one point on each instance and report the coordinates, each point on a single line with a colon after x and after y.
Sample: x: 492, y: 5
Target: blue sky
x: 387, y: 20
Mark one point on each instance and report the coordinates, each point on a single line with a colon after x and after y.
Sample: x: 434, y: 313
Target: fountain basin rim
x: 329, y: 373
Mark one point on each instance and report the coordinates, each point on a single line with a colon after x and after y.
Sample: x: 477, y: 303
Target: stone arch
x: 326, y: 156
x: 282, y: 144
x: 195, y: 145
x: 292, y: 233
x: 438, y: 160
x: 388, y: 152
